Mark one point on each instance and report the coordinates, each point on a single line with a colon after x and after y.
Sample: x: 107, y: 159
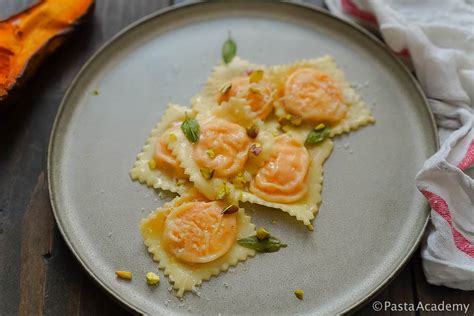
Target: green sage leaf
x: 317, y: 136
x: 190, y: 128
x: 229, y: 49
x: 270, y: 244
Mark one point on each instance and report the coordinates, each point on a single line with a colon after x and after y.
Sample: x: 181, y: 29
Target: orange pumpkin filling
x: 258, y: 94
x: 164, y: 158
x: 313, y: 96
x: 197, y: 232
x: 283, y: 178
x: 228, y: 143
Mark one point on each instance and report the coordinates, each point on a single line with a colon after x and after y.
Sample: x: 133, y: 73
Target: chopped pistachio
x: 207, y: 173
x: 310, y: 227
x: 126, y: 275
x: 152, y: 164
x: 211, y: 153
x: 239, y: 181
x: 230, y: 209
x: 299, y: 293
x: 255, y: 90
x: 255, y: 149
x: 319, y: 127
x: 285, y: 120
x: 285, y: 128
x: 180, y: 182
x: 317, y: 136
x: 252, y: 131
x: 225, y: 88
x: 152, y: 278
x: 222, y: 191
x: 290, y: 119
x: 262, y: 233
x: 296, y: 121
x: 256, y: 76
x: 172, y: 138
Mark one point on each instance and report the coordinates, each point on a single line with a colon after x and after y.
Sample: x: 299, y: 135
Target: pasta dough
x: 186, y: 272
x: 158, y: 177
x: 240, y: 92
x: 356, y: 113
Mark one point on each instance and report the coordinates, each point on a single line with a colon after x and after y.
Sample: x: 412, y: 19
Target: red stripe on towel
x: 441, y: 207
x: 352, y: 9
x: 468, y: 160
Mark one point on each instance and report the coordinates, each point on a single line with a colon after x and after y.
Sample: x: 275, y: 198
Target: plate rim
x: 315, y: 10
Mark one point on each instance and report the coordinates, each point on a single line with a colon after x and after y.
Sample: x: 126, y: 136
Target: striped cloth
x: 436, y: 37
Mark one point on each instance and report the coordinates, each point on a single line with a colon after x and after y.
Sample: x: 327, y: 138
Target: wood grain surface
x: 38, y: 273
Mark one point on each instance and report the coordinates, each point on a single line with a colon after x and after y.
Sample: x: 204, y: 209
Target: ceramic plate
x: 371, y: 218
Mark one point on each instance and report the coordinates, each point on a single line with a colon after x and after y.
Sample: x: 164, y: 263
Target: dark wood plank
x: 36, y: 244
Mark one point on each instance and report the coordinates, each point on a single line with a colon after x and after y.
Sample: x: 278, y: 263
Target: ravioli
x: 192, y: 240
x: 275, y: 168
x: 228, y: 143
x: 258, y: 183
x: 222, y: 147
x: 301, y: 199
x: 155, y: 165
x: 240, y: 92
x: 254, y: 121
x: 283, y: 178
x: 317, y: 91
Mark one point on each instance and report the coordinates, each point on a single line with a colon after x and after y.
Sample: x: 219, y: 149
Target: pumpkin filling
x: 197, y: 232
x: 313, y: 96
x: 283, y: 178
x: 222, y: 147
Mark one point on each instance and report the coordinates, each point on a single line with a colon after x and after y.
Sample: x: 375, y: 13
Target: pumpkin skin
x: 27, y: 38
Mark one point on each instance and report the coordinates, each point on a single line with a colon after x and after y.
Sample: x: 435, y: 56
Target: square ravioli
x: 192, y: 239
x: 155, y: 166
x: 278, y: 173
x: 240, y: 92
x: 316, y: 91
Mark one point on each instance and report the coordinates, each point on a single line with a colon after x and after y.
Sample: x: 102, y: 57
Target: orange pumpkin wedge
x: 29, y: 36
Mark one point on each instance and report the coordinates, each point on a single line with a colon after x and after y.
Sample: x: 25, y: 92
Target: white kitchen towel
x: 437, y: 38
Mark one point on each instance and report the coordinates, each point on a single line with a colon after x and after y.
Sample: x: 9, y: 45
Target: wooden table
x: 38, y: 273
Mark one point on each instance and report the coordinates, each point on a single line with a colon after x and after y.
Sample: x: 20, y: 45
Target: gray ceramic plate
x: 371, y: 218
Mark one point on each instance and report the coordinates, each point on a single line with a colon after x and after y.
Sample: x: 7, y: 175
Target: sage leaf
x: 270, y: 244
x: 191, y: 130
x: 229, y: 49
x: 317, y: 136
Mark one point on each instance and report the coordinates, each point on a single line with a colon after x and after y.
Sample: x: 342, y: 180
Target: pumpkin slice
x: 29, y: 36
